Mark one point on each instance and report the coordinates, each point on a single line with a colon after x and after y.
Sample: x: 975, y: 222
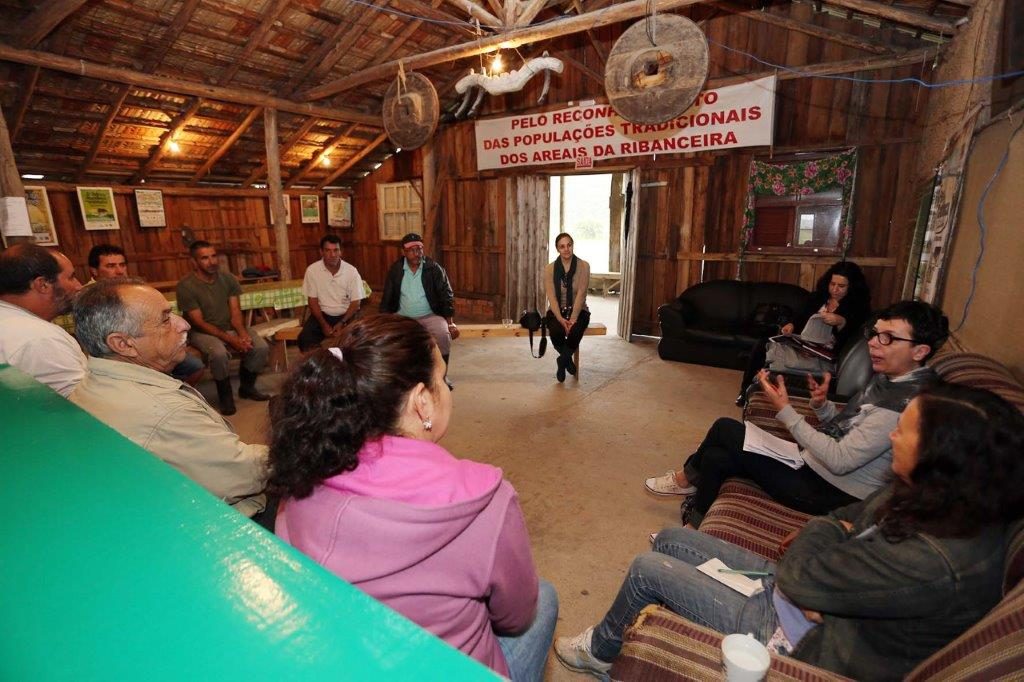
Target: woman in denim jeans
x: 873, y: 588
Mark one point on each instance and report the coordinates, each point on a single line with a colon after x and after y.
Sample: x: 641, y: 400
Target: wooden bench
x: 496, y: 329
x: 606, y: 282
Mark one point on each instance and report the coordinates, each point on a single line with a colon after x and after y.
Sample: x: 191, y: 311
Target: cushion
x: 746, y: 516
x: 980, y: 372
x: 661, y: 645
x: 760, y: 412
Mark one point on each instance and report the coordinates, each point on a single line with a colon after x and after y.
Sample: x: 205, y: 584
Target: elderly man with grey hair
x: 134, y: 340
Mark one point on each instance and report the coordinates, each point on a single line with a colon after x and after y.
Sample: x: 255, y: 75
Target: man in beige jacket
x: 134, y: 340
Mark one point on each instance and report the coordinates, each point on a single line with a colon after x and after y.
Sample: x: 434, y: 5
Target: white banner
x: 738, y: 115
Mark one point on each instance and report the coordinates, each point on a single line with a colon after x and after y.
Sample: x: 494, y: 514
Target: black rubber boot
x: 570, y: 366
x: 247, y: 386
x: 225, y: 397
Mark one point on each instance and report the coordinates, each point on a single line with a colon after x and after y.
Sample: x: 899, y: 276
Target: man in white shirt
x: 37, y: 285
x: 334, y: 289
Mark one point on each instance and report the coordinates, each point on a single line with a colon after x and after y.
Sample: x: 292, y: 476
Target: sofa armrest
x: 676, y: 316
x: 745, y: 516
x: 661, y: 645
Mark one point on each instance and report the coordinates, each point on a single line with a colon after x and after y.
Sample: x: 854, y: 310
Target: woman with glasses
x: 873, y: 588
x: 844, y: 459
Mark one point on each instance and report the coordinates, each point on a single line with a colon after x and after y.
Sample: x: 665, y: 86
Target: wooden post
x: 277, y: 198
x: 429, y: 191
x: 10, y: 186
x: 616, y: 211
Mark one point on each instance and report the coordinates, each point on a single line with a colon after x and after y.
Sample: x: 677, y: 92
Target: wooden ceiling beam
x: 432, y: 13
x: 789, y: 24
x: 530, y: 12
x: 353, y: 161
x: 165, y: 142
x: 584, y: 69
x: 402, y: 38
x: 477, y: 12
x: 19, y: 113
x: 256, y: 39
x: 170, y: 35
x: 182, y: 87
x: 514, y: 38
x: 292, y: 140
x: 335, y: 51
x: 898, y: 15
x: 317, y: 158
x: 115, y: 108
x: 222, y: 150
x: 43, y: 20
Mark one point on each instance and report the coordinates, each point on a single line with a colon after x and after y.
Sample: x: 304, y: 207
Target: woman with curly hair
x: 370, y: 495
x: 840, y: 304
x: 871, y: 589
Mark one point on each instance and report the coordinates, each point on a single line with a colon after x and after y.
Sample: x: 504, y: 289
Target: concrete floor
x: 577, y: 453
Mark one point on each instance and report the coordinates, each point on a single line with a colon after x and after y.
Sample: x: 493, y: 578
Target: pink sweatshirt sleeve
x: 513, y: 590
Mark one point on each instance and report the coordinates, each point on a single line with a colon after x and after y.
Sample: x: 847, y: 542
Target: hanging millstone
x: 411, y: 111
x: 653, y: 82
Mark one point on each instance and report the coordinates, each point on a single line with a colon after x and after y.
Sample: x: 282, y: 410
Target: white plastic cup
x: 507, y: 322
x: 745, y: 659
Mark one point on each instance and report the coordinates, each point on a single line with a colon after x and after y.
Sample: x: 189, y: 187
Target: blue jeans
x: 527, y: 652
x: 668, y: 576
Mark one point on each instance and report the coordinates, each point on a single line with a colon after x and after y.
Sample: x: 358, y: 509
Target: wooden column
x: 10, y: 184
x: 430, y: 194
x: 616, y: 213
x: 277, y: 198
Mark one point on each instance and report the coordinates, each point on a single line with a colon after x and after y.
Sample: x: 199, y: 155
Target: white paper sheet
x: 14, y: 217
x: 760, y: 441
x: 741, y: 583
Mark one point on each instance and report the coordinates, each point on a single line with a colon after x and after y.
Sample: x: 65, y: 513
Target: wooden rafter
x: 19, y: 114
x: 317, y: 158
x: 81, y: 67
x: 353, y: 161
x: 584, y: 69
x: 338, y: 49
x: 222, y: 150
x: 602, y: 53
x: 495, y: 6
x: 256, y: 38
x: 292, y: 140
x: 170, y: 35
x: 898, y: 15
x: 479, y: 13
x: 516, y: 37
x: 402, y: 38
x: 530, y: 12
x: 431, y: 12
x: 165, y: 142
x: 44, y: 19
x: 790, y: 24
x: 115, y: 109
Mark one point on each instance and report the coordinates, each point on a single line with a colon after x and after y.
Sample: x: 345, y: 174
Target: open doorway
x: 591, y: 208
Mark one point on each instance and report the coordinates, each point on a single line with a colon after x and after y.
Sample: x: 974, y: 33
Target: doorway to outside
x: 591, y: 208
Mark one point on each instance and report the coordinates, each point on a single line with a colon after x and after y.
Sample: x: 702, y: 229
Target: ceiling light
x: 32, y: 176
x: 377, y: 166
x: 325, y: 161
x: 496, y: 64
x: 174, y: 147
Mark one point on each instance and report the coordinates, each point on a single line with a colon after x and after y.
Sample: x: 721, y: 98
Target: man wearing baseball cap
x: 417, y: 287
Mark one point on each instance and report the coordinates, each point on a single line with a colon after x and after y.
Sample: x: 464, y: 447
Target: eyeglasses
x: 884, y: 338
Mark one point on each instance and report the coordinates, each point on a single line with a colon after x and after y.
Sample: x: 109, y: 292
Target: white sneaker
x: 575, y: 654
x: 666, y: 485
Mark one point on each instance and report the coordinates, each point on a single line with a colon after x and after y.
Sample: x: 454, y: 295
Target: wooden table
x: 606, y: 282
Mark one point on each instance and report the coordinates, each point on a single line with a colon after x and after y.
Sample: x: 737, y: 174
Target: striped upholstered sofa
x: 663, y: 646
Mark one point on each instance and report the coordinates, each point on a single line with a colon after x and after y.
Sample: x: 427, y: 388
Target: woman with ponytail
x: 370, y: 495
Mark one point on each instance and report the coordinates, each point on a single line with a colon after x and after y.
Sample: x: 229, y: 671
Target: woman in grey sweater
x: 871, y: 589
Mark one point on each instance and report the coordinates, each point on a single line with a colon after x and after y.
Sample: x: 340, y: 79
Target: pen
x: 749, y: 574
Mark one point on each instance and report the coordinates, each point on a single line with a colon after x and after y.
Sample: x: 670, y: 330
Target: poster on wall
x: 728, y: 117
x: 39, y: 216
x: 309, y: 204
x: 287, y: 211
x: 97, y: 204
x: 14, y: 221
x: 339, y: 210
x: 150, y: 204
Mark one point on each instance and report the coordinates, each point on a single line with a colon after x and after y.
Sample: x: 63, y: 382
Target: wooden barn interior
x: 234, y: 108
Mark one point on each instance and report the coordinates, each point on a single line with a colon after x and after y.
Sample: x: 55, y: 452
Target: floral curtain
x: 802, y: 177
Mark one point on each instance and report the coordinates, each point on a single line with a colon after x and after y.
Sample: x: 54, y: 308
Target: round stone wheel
x: 655, y: 82
x: 411, y: 111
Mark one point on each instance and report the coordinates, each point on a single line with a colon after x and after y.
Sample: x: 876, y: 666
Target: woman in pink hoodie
x: 370, y: 495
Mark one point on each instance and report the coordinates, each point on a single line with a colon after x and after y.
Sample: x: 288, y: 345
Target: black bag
x: 532, y: 321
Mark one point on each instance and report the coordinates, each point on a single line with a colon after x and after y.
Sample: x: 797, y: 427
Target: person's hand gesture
x: 775, y: 393
x: 819, y: 391
x: 787, y: 328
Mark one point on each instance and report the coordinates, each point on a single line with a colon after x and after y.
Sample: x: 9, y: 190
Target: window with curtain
x: 800, y: 206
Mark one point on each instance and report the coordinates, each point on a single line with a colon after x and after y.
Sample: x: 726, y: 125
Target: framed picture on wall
x: 150, y: 205
x: 310, y: 207
x: 39, y: 216
x: 287, y: 211
x: 97, y: 205
x: 339, y: 210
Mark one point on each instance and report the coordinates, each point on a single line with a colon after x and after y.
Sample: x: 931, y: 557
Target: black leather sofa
x: 713, y: 323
